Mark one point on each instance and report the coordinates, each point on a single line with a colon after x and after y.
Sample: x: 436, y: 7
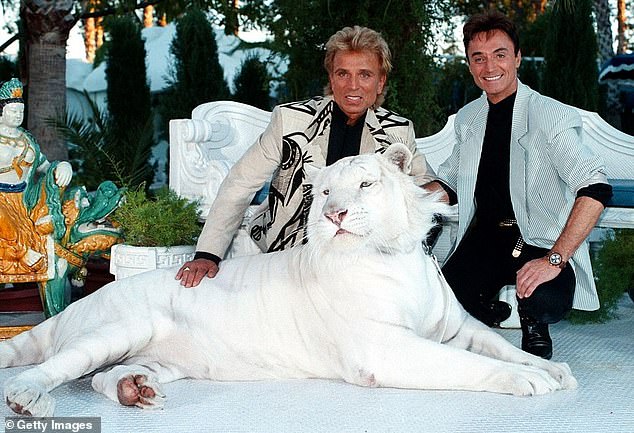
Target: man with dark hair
x: 529, y: 193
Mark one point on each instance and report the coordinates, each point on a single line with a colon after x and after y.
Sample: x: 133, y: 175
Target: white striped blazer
x: 548, y: 165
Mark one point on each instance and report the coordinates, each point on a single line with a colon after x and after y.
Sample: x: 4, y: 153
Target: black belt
x: 510, y: 222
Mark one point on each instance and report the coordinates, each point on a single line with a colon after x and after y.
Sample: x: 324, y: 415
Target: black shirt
x: 344, y: 139
x: 492, y: 192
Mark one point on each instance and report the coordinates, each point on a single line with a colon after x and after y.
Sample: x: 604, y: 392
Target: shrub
x: 164, y: 219
x: 252, y: 83
x: 196, y: 76
x: 570, y: 50
x: 614, y: 275
x: 128, y: 96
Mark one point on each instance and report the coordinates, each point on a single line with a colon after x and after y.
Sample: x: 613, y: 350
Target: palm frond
x: 99, y: 153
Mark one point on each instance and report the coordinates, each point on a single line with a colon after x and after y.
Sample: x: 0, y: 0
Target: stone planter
x: 127, y: 260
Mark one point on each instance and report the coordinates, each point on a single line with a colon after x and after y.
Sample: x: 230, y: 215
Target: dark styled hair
x: 488, y: 22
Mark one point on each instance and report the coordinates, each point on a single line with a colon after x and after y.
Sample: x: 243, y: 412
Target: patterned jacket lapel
x: 375, y: 136
x: 318, y: 129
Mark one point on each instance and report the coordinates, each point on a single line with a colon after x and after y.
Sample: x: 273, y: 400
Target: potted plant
x: 159, y: 231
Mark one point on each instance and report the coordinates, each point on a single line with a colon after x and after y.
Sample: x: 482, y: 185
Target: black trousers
x: 482, y: 264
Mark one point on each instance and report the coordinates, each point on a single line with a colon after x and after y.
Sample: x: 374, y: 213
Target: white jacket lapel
x: 471, y: 149
x: 517, y: 168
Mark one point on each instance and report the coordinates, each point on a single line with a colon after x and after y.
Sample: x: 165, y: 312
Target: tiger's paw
x: 29, y: 399
x: 141, y: 391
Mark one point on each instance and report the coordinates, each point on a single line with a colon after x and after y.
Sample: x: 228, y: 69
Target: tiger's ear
x: 399, y: 155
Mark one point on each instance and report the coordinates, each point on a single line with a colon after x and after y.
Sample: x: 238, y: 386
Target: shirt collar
x: 505, y: 104
x: 340, y: 117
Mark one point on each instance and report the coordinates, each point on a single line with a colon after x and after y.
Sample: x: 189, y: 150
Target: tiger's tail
x: 28, y: 347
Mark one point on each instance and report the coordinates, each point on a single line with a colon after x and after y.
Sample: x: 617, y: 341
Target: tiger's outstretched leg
x: 478, y: 338
x: 28, y: 392
x: 136, y: 384
x: 408, y: 361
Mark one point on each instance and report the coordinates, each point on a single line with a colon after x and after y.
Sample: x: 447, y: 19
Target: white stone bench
x: 203, y: 148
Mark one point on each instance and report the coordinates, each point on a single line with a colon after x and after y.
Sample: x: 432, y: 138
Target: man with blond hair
x: 301, y: 138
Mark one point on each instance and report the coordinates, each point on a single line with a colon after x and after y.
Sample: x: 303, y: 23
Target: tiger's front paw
x: 141, y: 391
x: 26, y: 398
x: 562, y: 373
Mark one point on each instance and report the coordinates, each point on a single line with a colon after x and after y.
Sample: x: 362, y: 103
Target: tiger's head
x: 370, y: 203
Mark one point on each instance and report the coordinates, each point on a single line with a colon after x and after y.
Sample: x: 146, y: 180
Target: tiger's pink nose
x: 336, y: 216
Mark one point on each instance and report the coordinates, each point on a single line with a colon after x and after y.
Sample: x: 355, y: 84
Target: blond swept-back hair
x: 358, y: 38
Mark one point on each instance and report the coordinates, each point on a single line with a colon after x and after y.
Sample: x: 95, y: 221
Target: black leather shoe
x: 494, y: 313
x: 536, y: 339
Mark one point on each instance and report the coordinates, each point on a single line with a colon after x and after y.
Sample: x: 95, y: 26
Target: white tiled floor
x: 601, y: 357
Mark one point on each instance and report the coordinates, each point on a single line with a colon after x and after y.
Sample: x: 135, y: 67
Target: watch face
x: 554, y: 259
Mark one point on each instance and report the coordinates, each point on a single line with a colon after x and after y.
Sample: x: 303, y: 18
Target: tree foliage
x: 614, y: 276
x: 455, y: 86
x: 128, y: 92
x: 196, y: 76
x: 8, y: 68
x: 570, y: 55
x: 301, y: 31
x: 128, y: 97
x: 229, y: 14
x: 522, y: 12
x: 252, y: 83
x: 90, y: 144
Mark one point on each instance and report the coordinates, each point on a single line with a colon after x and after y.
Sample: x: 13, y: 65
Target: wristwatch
x: 555, y: 259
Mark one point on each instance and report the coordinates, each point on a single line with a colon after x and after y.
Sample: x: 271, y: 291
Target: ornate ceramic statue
x: 46, y: 232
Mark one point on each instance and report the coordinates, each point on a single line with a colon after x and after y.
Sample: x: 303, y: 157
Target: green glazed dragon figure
x: 72, y: 226
x: 86, y: 232
x: 47, y: 231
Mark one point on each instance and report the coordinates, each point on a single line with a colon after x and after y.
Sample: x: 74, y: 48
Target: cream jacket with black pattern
x: 548, y: 165
x: 289, y: 152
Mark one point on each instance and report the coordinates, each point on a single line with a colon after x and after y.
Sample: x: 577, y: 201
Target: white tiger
x: 360, y: 302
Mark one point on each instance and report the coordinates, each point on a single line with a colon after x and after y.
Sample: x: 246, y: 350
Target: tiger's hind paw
x: 141, y: 391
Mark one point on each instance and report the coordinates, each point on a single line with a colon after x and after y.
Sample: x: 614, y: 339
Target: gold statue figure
x: 46, y: 231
